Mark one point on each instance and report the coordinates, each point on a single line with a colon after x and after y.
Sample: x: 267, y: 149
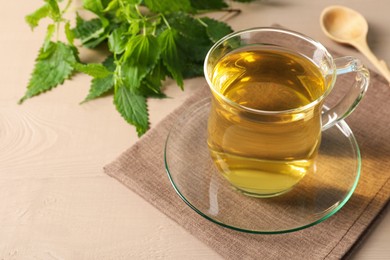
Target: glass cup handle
x: 352, y: 97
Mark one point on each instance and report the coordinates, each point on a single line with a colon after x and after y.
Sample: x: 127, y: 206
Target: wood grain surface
x: 55, y: 200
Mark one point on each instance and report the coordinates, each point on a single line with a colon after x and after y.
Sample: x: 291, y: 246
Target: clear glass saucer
x: 314, y: 199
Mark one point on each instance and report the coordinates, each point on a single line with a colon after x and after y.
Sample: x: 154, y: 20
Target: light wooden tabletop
x: 55, y: 200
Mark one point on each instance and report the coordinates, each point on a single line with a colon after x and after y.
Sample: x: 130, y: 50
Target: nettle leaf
x: 117, y: 40
x: 105, y: 3
x: 69, y: 33
x: 54, y: 10
x: 159, y: 6
x: 99, y: 87
x: 193, y: 41
x: 91, y: 33
x: 192, y: 69
x: 216, y: 29
x: 53, y: 66
x: 134, y: 2
x: 102, y: 85
x: 141, y: 55
x: 94, y: 6
x: 132, y: 107
x: 192, y: 44
x: 51, y: 28
x: 152, y: 83
x: 140, y: 61
x: 167, y: 40
x: 34, y: 18
x: 208, y: 4
x: 95, y: 70
x: 112, y: 5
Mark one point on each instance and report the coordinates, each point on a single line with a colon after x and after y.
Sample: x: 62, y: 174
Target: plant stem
x: 165, y: 21
x: 66, y: 7
x: 230, y: 13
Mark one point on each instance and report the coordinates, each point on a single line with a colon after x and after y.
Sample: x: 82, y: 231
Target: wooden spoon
x: 347, y: 26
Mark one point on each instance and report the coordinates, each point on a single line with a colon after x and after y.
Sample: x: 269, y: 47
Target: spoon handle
x: 383, y: 63
x: 381, y: 66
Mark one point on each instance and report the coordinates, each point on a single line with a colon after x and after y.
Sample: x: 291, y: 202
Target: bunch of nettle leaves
x: 148, y: 40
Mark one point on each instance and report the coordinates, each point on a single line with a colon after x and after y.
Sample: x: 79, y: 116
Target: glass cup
x: 267, y: 113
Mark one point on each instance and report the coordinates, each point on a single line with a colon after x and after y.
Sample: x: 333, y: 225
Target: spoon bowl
x: 343, y: 25
x: 347, y: 26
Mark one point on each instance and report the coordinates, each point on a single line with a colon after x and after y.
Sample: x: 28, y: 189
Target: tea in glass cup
x: 267, y: 115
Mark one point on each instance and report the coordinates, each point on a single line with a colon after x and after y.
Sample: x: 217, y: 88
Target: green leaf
x: 216, y: 29
x: 192, y: 69
x: 105, y: 3
x: 134, y: 2
x: 171, y: 6
x: 54, y: 10
x: 34, y: 18
x: 112, y: 5
x: 53, y: 66
x: 109, y: 63
x: 69, y: 33
x: 149, y: 39
x: 100, y: 86
x: 193, y: 43
x: 141, y: 55
x: 170, y: 55
x: 95, y: 70
x: 94, y: 6
x: 49, y: 34
x: 208, y: 4
x: 90, y: 32
x: 152, y: 83
x: 46, y: 51
x: 117, y: 40
x: 132, y: 107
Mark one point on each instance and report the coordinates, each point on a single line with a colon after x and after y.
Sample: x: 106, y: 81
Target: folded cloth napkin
x: 141, y: 168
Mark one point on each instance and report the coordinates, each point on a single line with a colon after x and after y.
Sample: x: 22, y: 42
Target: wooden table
x: 55, y: 200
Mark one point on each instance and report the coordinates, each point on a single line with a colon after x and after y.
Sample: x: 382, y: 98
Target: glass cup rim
x: 306, y: 38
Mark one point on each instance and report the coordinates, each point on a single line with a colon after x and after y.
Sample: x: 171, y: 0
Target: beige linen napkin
x: 141, y: 169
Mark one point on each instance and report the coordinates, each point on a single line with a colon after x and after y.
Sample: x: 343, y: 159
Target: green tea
x: 257, y: 148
